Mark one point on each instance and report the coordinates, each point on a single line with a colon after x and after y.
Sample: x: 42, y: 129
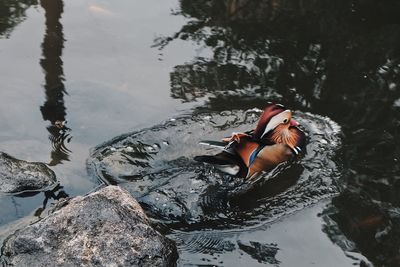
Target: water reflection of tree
x: 299, y: 48
x: 53, y: 109
x: 12, y: 12
x: 337, y: 58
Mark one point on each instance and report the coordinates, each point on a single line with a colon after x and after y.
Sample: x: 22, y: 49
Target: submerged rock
x: 156, y: 166
x: 357, y: 223
x: 104, y: 228
x: 18, y: 176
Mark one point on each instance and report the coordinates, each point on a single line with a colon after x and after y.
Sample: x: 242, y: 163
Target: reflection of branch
x: 16, y: 205
x: 55, y: 194
x: 192, y: 81
x: 190, y: 27
x: 58, y: 136
x: 53, y: 109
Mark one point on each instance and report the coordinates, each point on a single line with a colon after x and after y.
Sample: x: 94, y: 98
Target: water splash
x: 156, y: 165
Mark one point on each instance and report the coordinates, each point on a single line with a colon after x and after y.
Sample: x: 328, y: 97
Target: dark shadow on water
x: 55, y: 194
x: 335, y: 58
x: 53, y: 110
x: 251, y: 198
x: 21, y: 206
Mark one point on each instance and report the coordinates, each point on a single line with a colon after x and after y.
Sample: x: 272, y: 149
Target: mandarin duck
x: 276, y: 139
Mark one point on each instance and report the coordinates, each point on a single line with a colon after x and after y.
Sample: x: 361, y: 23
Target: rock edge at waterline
x: 104, y: 228
x: 19, y: 176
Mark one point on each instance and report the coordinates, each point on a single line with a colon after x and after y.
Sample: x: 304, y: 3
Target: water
x: 156, y: 165
x: 111, y: 68
x: 56, y: 67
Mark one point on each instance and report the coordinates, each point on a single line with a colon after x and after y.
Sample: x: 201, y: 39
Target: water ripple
x: 156, y: 165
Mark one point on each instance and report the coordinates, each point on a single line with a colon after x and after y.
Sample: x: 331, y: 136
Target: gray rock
x: 17, y: 176
x: 104, y: 228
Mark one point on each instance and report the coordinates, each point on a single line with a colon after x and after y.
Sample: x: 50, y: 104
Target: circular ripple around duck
x: 156, y: 165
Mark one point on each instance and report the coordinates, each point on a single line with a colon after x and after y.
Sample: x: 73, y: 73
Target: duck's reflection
x: 53, y: 110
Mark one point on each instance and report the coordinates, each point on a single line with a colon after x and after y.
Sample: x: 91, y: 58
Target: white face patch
x: 282, y: 117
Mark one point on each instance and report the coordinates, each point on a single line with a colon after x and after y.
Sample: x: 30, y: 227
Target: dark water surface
x: 77, y: 73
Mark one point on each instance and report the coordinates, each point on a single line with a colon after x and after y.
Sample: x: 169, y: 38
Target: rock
x: 18, y: 176
x: 104, y: 228
x: 156, y: 166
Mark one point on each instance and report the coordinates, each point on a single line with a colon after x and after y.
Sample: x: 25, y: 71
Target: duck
x: 276, y: 138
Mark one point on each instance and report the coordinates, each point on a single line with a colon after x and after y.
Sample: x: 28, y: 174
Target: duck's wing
x: 247, y: 150
x: 229, y: 160
x: 225, y: 162
x: 268, y: 157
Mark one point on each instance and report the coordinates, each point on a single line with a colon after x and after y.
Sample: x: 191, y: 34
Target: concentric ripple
x: 156, y: 165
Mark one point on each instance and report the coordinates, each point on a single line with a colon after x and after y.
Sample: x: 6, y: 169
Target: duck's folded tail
x: 214, y: 160
x: 225, y: 162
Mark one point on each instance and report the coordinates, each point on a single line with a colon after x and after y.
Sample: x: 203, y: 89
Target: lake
x: 75, y: 74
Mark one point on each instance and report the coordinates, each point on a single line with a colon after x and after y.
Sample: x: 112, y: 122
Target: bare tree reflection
x: 53, y: 110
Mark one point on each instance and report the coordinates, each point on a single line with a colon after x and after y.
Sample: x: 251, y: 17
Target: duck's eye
x: 285, y: 120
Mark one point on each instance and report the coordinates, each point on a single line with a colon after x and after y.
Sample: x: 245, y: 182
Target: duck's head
x: 274, y: 115
x: 277, y: 125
